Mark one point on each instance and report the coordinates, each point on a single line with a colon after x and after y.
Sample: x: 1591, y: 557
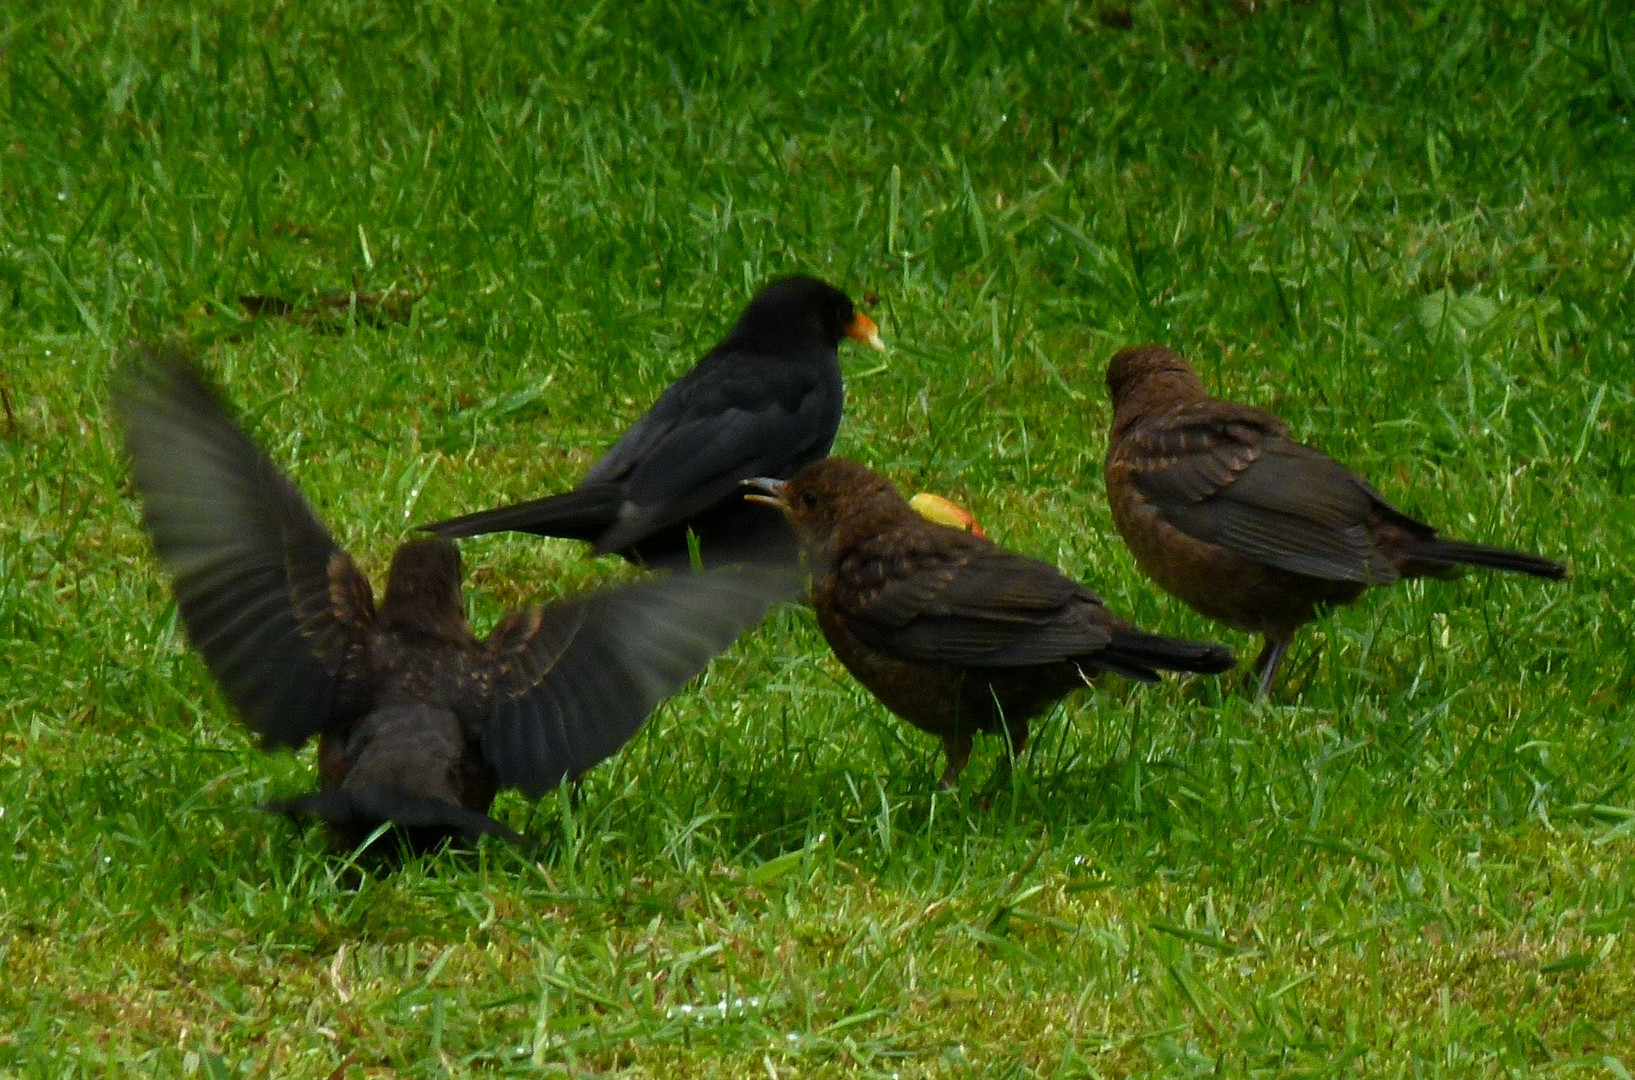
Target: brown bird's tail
x: 584, y: 513
x: 1430, y: 556
x: 1136, y: 654
x: 355, y: 812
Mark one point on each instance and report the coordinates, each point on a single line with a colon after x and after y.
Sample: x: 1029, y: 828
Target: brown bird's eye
x: 809, y: 499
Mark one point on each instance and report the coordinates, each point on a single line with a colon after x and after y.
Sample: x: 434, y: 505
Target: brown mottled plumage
x: 419, y: 722
x: 1229, y: 514
x: 952, y: 632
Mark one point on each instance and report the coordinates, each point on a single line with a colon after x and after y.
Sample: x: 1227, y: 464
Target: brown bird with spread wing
x: 1229, y: 514
x: 952, y: 632
x: 419, y: 722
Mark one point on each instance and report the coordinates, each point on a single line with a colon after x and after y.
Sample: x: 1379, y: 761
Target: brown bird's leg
x: 332, y: 761
x: 1016, y: 740
x: 575, y: 797
x: 956, y: 747
x: 1270, y: 658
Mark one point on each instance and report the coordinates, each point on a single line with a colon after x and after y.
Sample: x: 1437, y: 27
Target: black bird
x: 419, y: 723
x: 766, y: 401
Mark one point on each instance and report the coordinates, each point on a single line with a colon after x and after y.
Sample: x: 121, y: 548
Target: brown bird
x: 764, y: 402
x: 419, y: 722
x: 952, y: 632
x: 1226, y: 512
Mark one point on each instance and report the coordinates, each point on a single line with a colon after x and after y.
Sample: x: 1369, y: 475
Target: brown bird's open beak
x: 864, y: 331
x: 767, y: 491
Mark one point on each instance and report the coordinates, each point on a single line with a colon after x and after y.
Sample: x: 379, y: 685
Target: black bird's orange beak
x: 766, y: 491
x: 864, y: 331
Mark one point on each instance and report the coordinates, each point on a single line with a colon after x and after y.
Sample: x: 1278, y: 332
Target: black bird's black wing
x: 279, y: 612
x: 1228, y: 474
x: 574, y: 681
x: 733, y: 417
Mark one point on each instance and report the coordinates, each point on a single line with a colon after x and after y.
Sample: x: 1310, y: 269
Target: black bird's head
x: 423, y: 590
x: 1143, y: 379
x: 830, y: 503
x: 797, y: 313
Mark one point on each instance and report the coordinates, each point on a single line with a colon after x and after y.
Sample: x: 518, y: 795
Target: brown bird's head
x: 423, y: 590
x: 800, y: 311
x: 829, y: 502
x: 1144, y: 379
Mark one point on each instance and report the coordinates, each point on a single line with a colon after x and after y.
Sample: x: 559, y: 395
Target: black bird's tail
x: 1430, y: 556
x: 1136, y: 654
x: 356, y: 811
x: 584, y: 513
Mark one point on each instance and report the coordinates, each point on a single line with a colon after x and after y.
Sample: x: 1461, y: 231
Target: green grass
x: 1408, y: 231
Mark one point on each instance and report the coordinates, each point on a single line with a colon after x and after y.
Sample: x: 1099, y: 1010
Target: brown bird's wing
x: 939, y: 595
x: 1228, y: 475
x: 279, y: 612
x: 573, y: 681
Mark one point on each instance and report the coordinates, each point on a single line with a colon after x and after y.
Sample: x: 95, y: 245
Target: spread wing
x: 278, y: 611
x: 733, y: 417
x: 1229, y: 475
x: 940, y: 595
x: 574, y: 681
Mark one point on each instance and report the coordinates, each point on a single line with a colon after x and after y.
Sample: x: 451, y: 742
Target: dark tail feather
x: 1136, y: 654
x: 1447, y: 553
x: 581, y: 514
x: 356, y: 812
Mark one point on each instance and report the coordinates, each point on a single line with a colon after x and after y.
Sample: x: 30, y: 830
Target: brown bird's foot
x: 1016, y: 740
x: 1269, y: 660
x: 1004, y: 773
x: 997, y: 783
x: 419, y: 825
x: 957, y: 749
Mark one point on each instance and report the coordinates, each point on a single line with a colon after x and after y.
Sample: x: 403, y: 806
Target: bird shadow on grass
x: 1134, y: 783
x: 884, y: 821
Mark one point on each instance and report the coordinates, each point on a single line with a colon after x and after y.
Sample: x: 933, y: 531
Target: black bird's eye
x: 809, y: 499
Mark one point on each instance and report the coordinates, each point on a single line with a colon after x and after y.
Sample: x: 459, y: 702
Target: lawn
x: 440, y: 255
